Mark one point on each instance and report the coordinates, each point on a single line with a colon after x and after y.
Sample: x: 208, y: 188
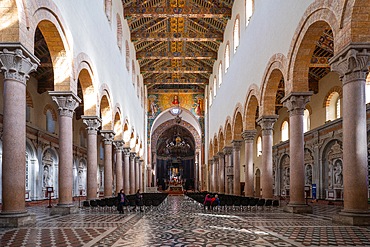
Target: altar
x: 175, y: 189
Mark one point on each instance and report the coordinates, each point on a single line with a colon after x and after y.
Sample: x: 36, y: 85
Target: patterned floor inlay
x: 181, y: 222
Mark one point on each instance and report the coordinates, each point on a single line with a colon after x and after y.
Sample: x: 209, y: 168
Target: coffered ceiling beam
x: 176, y: 55
x: 171, y: 36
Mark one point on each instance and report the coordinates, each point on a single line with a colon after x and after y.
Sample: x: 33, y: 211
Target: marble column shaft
x: 352, y: 65
x: 137, y: 174
x: 216, y: 172
x: 228, y: 167
x: 295, y: 103
x: 132, y: 173
x: 141, y: 174
x: 154, y: 162
x: 108, y: 136
x: 248, y: 137
x: 267, y: 123
x: 221, y: 177
x: 126, y: 173
x: 119, y: 174
x: 211, y: 180
x: 16, y: 68
x: 236, y: 160
x: 93, y: 123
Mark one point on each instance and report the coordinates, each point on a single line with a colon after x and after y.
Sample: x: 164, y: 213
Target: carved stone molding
x: 296, y: 102
x: 237, y: 144
x: 93, y: 123
x: 249, y: 135
x: 227, y: 150
x: 352, y: 63
x: 267, y: 124
x: 108, y: 136
x: 16, y: 65
x: 119, y: 145
x: 66, y: 101
x: 126, y: 151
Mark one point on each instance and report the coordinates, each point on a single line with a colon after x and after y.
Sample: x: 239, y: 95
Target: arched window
x: 259, y: 146
x: 333, y: 106
x: 214, y: 86
x: 227, y: 56
x: 127, y: 56
x: 119, y: 33
x: 285, y: 131
x: 133, y: 73
x: 137, y: 87
x: 50, y: 122
x: 236, y: 34
x: 108, y: 9
x: 367, y: 92
x: 249, y: 6
x: 306, y: 120
x: 220, y: 74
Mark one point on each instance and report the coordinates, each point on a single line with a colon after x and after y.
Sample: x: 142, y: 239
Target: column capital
x: 133, y: 155
x: 66, y: 101
x: 92, y: 124
x: 267, y: 124
x: 108, y: 136
x: 126, y: 151
x: 119, y: 145
x: 221, y: 155
x: 137, y: 158
x: 227, y: 150
x: 249, y: 135
x: 237, y: 144
x: 15, y: 64
x: 215, y: 158
x: 296, y: 102
x: 352, y: 63
x: 210, y: 161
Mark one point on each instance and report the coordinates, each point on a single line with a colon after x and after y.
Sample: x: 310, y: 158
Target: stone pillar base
x: 17, y: 220
x: 354, y: 219
x: 64, y: 210
x: 298, y: 208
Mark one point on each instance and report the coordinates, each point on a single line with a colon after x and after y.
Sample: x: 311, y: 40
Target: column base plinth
x: 17, y: 220
x: 298, y: 208
x: 353, y: 219
x: 64, y: 210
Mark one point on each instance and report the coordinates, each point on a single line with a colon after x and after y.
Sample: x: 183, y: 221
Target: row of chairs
x: 149, y: 200
x: 233, y: 202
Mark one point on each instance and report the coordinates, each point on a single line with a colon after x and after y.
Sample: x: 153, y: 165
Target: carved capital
x: 92, y: 124
x: 16, y: 66
x: 108, y: 136
x: 119, y: 145
x: 132, y: 155
x: 296, y: 102
x: 237, y: 144
x: 215, y: 158
x: 66, y: 101
x: 126, y: 151
x: 221, y: 155
x: 267, y: 124
x: 227, y: 150
x: 249, y: 135
x: 352, y: 63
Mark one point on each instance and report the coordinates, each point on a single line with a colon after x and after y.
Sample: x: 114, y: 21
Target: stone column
x: 119, y: 176
x: 141, y: 174
x: 126, y: 179
x: 154, y: 162
x: 211, y: 185
x: 16, y: 67
x: 295, y: 103
x: 248, y: 137
x: 352, y: 65
x: 67, y: 102
x: 267, y: 123
x: 221, y: 175
x: 137, y: 174
x: 229, y: 170
x: 93, y: 123
x: 236, y: 160
x: 132, y: 173
x: 108, y: 136
x: 197, y: 172
x: 215, y: 173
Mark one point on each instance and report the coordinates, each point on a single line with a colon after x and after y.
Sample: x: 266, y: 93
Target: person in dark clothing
x: 121, y: 198
x: 139, y: 200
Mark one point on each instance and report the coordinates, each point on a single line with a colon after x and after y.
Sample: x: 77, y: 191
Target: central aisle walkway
x: 182, y: 222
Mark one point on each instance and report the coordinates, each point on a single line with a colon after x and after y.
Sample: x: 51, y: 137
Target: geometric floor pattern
x: 180, y: 221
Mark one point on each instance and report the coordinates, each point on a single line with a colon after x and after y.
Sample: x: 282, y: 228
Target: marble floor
x: 180, y: 221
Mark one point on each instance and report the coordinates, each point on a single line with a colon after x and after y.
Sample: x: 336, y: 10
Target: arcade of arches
x: 233, y: 97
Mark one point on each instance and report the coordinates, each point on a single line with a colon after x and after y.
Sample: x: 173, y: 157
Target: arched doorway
x: 175, y: 158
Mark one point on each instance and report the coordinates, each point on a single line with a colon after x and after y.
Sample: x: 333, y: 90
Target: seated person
x: 215, y: 201
x: 207, y: 201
